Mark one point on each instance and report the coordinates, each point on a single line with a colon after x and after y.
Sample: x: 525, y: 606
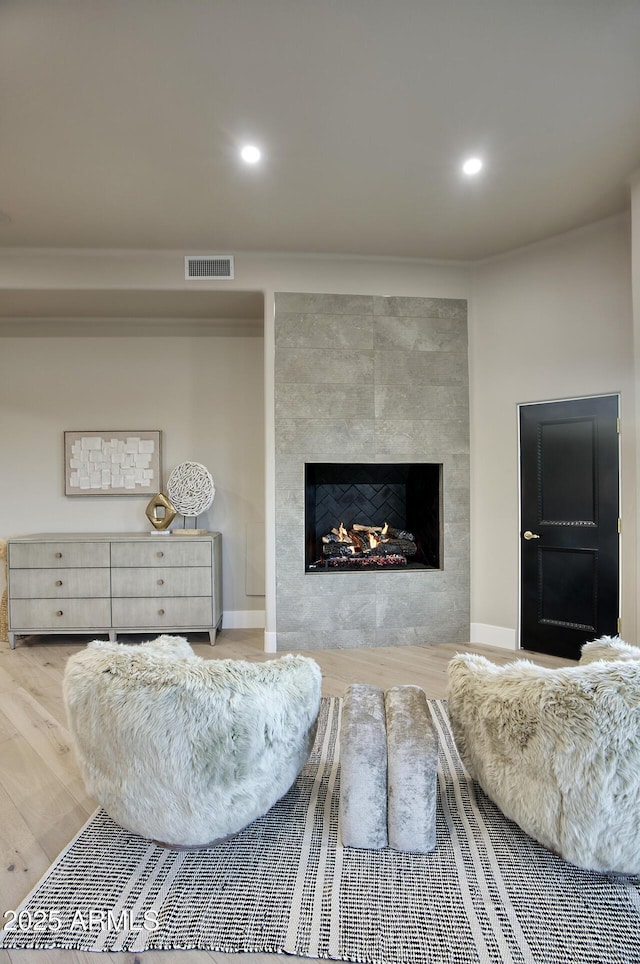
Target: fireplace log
x: 401, y: 534
x: 340, y: 535
x: 394, y: 547
x: 401, y: 547
x: 337, y: 549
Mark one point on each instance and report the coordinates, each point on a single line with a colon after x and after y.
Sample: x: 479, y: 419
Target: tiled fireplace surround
x: 363, y: 378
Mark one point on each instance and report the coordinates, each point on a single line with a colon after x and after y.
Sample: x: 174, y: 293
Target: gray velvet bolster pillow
x: 412, y: 767
x: 363, y: 768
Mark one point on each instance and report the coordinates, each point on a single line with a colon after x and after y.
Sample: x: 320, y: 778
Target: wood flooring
x: 43, y: 803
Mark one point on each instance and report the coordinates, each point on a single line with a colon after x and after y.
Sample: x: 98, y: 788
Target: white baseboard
x: 270, y: 642
x: 243, y: 619
x: 494, y: 636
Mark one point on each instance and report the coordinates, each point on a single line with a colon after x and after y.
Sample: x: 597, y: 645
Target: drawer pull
x: 161, y: 582
x: 159, y: 555
x: 57, y: 555
x: 58, y: 582
x: 59, y: 613
x: 161, y: 612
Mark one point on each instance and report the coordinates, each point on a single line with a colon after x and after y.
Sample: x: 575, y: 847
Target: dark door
x: 569, y: 504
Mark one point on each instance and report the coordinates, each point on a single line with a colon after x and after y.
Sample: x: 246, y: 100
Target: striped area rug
x: 285, y: 884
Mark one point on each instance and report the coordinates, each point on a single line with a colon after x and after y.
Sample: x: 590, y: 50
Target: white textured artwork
x: 112, y: 463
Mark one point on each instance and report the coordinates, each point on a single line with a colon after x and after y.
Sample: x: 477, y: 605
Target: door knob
x: 529, y: 535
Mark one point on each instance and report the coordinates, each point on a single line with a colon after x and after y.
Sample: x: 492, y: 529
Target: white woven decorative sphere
x: 190, y: 488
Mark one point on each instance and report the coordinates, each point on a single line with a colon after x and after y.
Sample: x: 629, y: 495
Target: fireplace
x: 372, y: 516
x: 381, y: 381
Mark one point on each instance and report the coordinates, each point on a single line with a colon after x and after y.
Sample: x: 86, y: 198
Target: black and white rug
x: 285, y: 884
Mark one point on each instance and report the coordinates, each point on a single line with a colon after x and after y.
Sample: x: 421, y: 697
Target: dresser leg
x: 12, y: 640
x: 212, y: 635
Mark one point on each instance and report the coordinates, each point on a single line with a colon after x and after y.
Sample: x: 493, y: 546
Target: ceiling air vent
x: 217, y: 267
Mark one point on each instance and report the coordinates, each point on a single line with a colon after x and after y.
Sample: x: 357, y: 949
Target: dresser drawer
x: 155, y: 613
x: 59, y: 583
x: 54, y: 555
x: 166, y: 553
x: 171, y: 581
x: 53, y: 615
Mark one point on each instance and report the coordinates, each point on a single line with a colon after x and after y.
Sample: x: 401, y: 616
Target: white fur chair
x: 187, y: 751
x: 558, y: 750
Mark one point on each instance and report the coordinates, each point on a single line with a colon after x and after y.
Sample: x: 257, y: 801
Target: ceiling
x: 121, y: 121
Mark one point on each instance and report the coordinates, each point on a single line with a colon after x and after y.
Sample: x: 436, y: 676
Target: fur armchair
x: 183, y: 750
x: 558, y: 750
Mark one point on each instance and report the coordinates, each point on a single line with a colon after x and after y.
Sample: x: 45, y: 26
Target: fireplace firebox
x: 372, y: 516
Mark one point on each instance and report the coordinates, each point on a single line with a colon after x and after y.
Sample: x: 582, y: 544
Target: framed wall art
x: 112, y: 463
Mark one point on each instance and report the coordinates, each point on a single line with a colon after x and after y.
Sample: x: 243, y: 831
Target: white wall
x: 550, y: 321
x: 162, y: 270
x: 635, y: 273
x: 546, y: 322
x: 205, y: 393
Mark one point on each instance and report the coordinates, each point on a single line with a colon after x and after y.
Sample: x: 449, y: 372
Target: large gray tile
x: 323, y: 331
x: 457, y: 504
x: 332, y: 439
x: 421, y: 582
x: 330, y: 304
x: 323, y: 366
x: 456, y: 470
x: 296, y: 612
x: 416, y: 369
x: 400, y: 610
x: 444, y: 628
x: 424, y: 440
x: 290, y: 506
x: 289, y: 539
x: 289, y: 471
x: 308, y: 640
x: 455, y: 558
x: 354, y: 400
x: 410, y: 636
x: 422, y: 307
x: 456, y: 537
x: 429, y: 401
x: 420, y: 334
x: 294, y: 579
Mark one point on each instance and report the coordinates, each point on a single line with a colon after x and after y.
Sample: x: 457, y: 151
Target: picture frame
x: 108, y: 463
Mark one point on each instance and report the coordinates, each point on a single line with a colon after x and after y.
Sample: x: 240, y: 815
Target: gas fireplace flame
x: 342, y: 534
x: 361, y: 537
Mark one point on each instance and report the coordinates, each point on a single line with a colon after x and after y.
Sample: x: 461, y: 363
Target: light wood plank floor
x: 43, y: 803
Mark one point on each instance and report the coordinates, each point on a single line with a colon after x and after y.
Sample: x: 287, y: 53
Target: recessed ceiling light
x: 473, y: 165
x: 250, y: 154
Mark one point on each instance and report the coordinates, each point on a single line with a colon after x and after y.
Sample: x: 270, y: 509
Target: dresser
x: 114, y: 583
